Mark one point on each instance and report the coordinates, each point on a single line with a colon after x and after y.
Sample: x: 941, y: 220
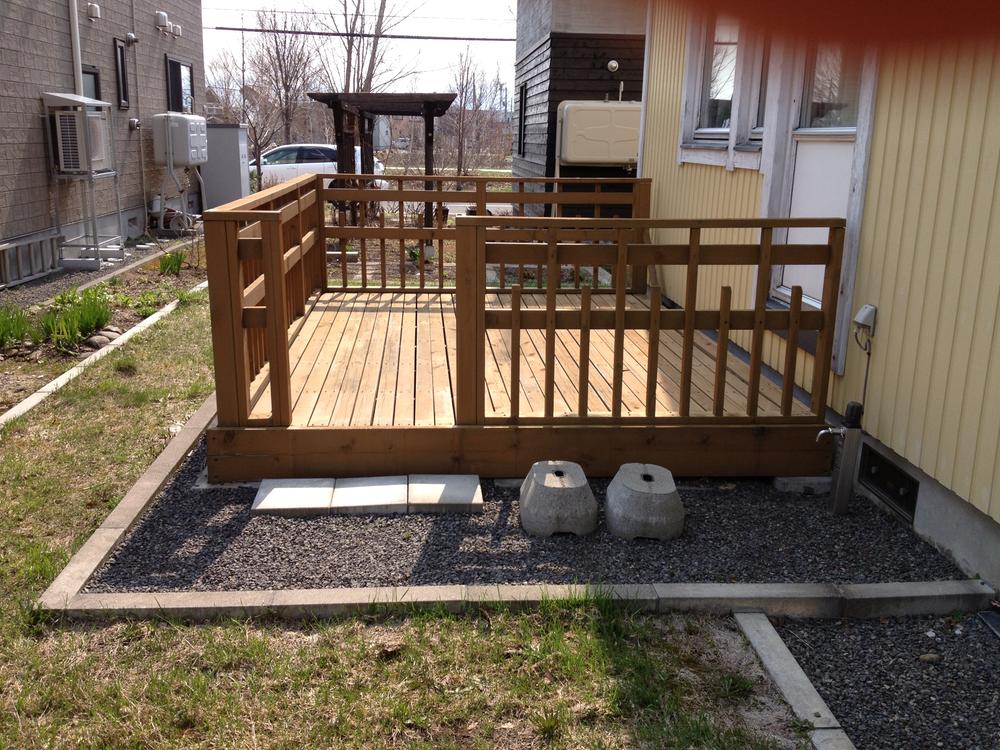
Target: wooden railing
x: 272, y: 253
x: 559, y: 244
x: 266, y: 268
x: 382, y: 243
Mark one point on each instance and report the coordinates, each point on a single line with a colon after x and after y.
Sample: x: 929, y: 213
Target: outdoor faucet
x: 839, y: 431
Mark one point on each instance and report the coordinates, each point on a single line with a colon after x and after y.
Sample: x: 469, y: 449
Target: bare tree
x: 285, y: 65
x: 477, y: 128
x: 233, y: 85
x: 358, y: 61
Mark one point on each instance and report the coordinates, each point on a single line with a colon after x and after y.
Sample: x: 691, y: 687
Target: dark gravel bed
x: 741, y: 531
x: 885, y: 695
x: 43, y: 289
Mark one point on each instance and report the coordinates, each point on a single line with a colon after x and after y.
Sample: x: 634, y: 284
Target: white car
x: 287, y: 162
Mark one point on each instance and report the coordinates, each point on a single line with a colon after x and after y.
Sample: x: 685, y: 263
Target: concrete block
x: 867, y: 600
x: 370, y: 495
x: 785, y: 672
x: 445, y: 493
x: 643, y: 502
x: 555, y: 498
x: 818, y: 600
x: 804, y: 485
x: 294, y: 497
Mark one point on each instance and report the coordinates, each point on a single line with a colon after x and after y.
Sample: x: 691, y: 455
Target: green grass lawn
x: 573, y: 674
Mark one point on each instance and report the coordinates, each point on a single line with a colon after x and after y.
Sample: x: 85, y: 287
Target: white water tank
x: 599, y: 133
x: 186, y: 135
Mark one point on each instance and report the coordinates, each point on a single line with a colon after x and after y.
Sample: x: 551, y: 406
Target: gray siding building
x: 160, y: 70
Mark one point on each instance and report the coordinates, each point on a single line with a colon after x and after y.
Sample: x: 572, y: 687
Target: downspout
x: 138, y: 132
x: 74, y: 39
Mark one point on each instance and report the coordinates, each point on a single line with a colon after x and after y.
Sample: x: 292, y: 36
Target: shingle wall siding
x: 35, y: 57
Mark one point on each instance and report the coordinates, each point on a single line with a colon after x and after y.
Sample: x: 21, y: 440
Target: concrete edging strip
x: 798, y: 691
x: 30, y: 402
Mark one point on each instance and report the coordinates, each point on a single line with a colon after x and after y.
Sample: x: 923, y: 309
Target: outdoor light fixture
x: 93, y: 11
x: 613, y: 66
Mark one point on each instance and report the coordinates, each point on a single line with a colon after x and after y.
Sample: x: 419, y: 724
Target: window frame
x: 522, y: 118
x: 93, y: 70
x: 736, y: 147
x: 170, y: 60
x: 121, y: 72
x: 702, y: 133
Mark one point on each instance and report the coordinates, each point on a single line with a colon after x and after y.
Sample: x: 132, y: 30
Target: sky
x: 434, y: 60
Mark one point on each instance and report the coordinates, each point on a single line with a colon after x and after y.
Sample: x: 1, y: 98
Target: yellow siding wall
x: 930, y: 261
x: 929, y: 255
x: 686, y: 191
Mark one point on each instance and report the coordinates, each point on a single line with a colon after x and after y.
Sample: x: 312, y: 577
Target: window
x: 725, y: 74
x: 180, y: 86
x: 121, y: 73
x: 91, y: 82
x: 315, y: 154
x: 833, y: 80
x: 522, y: 115
x: 719, y: 80
x: 282, y: 156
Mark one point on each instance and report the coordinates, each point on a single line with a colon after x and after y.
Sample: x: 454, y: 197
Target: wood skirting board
x: 505, y: 451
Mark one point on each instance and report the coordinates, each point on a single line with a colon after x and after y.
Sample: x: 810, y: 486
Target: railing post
x: 640, y: 210
x: 229, y: 345
x: 469, y: 318
x: 277, y: 323
x: 321, y: 269
x: 824, y: 344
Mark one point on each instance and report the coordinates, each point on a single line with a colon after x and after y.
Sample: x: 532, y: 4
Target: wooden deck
x: 480, y: 370
x: 369, y: 359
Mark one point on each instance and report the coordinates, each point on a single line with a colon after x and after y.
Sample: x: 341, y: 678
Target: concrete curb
x: 29, y: 403
x: 805, y: 702
x: 779, y: 600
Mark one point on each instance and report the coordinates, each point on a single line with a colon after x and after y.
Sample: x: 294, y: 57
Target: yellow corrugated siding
x: 930, y: 260
x: 691, y: 190
x: 929, y: 253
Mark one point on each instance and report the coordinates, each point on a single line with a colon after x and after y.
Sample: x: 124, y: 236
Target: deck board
x: 366, y: 359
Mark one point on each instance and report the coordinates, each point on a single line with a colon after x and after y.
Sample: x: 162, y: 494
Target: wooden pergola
x: 354, y: 114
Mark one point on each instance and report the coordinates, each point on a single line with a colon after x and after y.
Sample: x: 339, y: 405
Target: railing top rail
x: 546, y: 222
x: 416, y: 177
x: 256, y: 201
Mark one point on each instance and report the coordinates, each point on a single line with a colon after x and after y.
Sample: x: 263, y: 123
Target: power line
x: 363, y: 35
x: 402, y: 16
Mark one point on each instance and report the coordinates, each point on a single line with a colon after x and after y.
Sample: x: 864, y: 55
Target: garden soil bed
x: 920, y: 682
x: 737, y: 531
x: 23, y: 371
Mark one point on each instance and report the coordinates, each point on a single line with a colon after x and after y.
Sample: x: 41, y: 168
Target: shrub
x: 74, y: 316
x: 14, y: 326
x: 171, y: 263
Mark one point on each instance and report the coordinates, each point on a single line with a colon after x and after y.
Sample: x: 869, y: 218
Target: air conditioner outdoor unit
x: 71, y: 144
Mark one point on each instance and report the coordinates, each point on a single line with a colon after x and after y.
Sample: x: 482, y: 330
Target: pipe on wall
x: 74, y: 39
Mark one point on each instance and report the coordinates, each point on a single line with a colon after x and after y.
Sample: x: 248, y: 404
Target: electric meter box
x: 597, y: 133
x: 186, y: 136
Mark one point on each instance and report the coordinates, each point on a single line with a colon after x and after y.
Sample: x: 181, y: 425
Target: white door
x: 823, y: 153
x: 821, y: 185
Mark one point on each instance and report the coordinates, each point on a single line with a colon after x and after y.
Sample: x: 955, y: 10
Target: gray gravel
x: 47, y: 287
x: 871, y: 675
x: 743, y: 531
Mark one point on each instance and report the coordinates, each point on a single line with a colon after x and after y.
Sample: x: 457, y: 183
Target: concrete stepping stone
x: 293, y: 497
x: 556, y: 498
x: 643, y: 502
x: 445, y: 493
x: 364, y: 495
